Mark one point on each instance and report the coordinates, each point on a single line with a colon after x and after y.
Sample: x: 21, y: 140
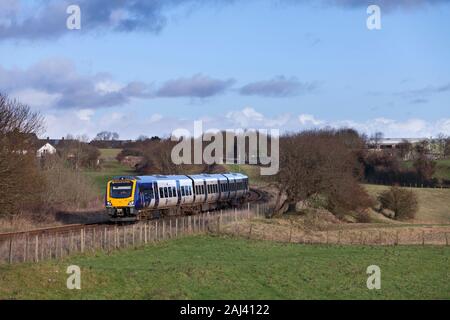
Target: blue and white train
x: 133, y: 198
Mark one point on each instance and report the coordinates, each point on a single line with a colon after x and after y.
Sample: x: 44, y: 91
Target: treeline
x: 155, y: 157
x: 39, y: 185
x: 389, y: 167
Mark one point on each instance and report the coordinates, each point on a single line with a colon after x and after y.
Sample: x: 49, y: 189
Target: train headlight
x: 131, y: 204
x: 108, y: 204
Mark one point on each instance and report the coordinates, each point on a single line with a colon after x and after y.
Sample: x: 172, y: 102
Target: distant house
x: 44, y: 148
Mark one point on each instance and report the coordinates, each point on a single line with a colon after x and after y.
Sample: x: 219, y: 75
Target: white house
x: 44, y: 149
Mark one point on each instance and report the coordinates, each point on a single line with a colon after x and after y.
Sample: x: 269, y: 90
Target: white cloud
x: 108, y: 86
x: 155, y: 118
x: 85, y: 114
x: 308, y: 119
x: 250, y: 118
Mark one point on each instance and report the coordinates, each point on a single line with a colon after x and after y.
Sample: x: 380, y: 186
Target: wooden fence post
x: 82, y: 240
x: 250, y: 231
x: 396, y: 238
x: 327, y: 237
x: 116, y: 237
x: 25, y: 249
x: 10, y: 250
x: 36, y: 249
x: 163, y: 229
x: 170, y: 228
x: 423, y: 238
x: 446, y: 239
x: 145, y: 233
x: 290, y: 235
x: 189, y: 225
x: 380, y: 237
x: 176, y: 227
x: 104, y: 240
x: 339, y: 237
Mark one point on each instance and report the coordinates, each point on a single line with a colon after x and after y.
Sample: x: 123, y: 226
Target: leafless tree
x: 21, y: 182
x: 319, y: 163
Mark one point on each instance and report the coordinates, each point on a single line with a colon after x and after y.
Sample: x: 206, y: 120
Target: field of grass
x: 434, y: 204
x: 110, y: 168
x: 442, y: 168
x: 252, y: 171
x: 206, y: 267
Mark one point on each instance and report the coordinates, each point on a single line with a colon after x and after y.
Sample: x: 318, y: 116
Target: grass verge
x: 206, y: 267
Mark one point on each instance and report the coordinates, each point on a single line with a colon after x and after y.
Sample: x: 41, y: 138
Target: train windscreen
x: 121, y: 190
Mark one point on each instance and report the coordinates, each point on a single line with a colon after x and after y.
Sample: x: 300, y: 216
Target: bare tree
x: 21, y: 180
x: 319, y: 163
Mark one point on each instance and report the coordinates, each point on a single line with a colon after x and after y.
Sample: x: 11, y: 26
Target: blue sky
x: 159, y: 65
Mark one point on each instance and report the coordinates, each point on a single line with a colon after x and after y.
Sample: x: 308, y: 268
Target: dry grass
x: 434, y: 204
x: 290, y: 230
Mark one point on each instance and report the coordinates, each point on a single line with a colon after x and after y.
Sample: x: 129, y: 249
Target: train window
x: 174, y: 190
x: 161, y: 193
x: 166, y: 192
x: 190, y: 190
x: 182, y: 191
x: 203, y: 189
x: 170, y: 192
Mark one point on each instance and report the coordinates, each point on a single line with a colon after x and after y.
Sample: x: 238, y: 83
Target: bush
x: 66, y: 188
x: 402, y: 202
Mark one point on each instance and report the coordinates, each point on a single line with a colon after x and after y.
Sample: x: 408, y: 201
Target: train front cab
x: 120, y: 199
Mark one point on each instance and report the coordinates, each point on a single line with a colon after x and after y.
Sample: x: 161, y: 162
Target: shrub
x: 66, y: 188
x: 402, y: 202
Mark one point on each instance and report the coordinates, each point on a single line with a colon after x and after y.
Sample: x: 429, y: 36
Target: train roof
x: 235, y: 175
x: 206, y: 176
x: 162, y: 178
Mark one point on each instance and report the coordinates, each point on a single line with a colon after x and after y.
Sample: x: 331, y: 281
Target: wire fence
x: 108, y: 238
x: 368, y: 236
x: 241, y: 223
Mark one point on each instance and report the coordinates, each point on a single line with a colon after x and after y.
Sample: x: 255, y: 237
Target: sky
x: 148, y: 67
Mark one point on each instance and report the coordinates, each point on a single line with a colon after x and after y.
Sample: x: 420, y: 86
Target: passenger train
x: 130, y: 198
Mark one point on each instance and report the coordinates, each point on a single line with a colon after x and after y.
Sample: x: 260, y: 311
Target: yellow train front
x: 120, y: 199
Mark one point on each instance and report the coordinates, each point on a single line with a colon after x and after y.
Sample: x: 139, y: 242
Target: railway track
x: 49, y: 230
x: 255, y: 195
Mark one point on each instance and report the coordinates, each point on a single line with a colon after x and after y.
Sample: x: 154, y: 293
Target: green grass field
x: 206, y: 267
x: 110, y: 168
x: 434, y: 204
x: 442, y: 168
x: 252, y: 171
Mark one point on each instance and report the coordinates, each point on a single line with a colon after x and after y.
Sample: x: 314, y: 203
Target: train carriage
x: 132, y: 198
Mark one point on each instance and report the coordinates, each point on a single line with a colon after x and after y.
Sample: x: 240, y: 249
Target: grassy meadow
x: 110, y: 168
x: 434, y: 204
x: 207, y: 267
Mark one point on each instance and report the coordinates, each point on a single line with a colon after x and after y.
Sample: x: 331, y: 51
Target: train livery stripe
x: 178, y: 192
x: 155, y: 187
